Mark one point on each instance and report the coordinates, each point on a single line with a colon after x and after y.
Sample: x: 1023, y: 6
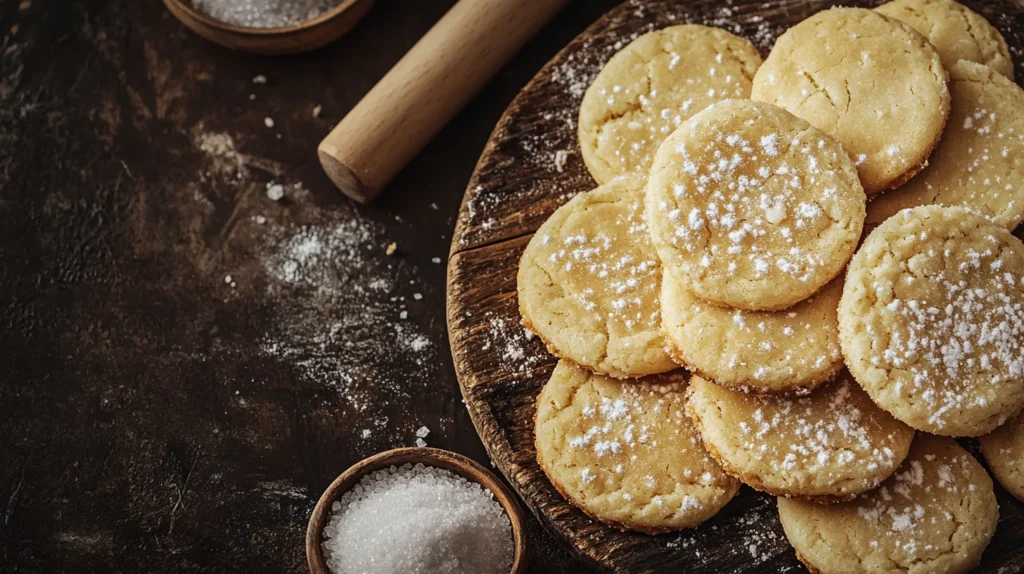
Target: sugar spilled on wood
x: 417, y: 519
x: 340, y: 319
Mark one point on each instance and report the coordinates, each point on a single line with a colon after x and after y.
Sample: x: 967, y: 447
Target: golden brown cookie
x: 931, y: 321
x: 872, y: 82
x: 753, y: 208
x: 790, y: 351
x: 979, y: 164
x: 937, y: 513
x: 1004, y: 451
x: 625, y: 453
x: 589, y: 282
x: 654, y: 84
x: 956, y: 31
x: 830, y: 445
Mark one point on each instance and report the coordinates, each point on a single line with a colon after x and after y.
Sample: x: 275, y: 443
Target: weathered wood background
x: 153, y: 418
x: 531, y: 166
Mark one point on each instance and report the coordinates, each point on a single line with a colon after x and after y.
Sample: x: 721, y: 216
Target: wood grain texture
x: 532, y: 165
x: 145, y: 425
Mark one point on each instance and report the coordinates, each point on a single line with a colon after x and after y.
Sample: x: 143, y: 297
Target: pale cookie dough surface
x: 625, y: 453
x: 789, y: 351
x: 872, y: 82
x: 830, y: 445
x: 751, y: 207
x: 1004, y: 451
x: 956, y: 31
x: 937, y: 513
x: 979, y: 164
x: 589, y: 282
x: 931, y: 321
x: 651, y: 86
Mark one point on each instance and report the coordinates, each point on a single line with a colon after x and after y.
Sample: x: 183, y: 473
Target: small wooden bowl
x: 435, y: 457
x: 293, y: 39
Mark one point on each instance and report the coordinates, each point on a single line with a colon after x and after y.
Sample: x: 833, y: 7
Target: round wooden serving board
x: 532, y: 165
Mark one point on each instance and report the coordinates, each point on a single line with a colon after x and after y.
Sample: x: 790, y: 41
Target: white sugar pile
x: 417, y: 519
x: 263, y: 13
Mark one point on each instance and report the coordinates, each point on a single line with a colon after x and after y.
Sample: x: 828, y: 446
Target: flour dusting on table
x: 341, y: 319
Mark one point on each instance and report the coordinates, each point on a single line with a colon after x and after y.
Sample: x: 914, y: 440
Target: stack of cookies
x: 822, y: 242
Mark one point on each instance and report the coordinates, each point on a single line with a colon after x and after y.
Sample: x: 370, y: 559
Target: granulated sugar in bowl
x: 417, y: 519
x: 263, y: 13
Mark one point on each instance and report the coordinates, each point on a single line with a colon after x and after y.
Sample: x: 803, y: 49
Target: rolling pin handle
x: 425, y: 89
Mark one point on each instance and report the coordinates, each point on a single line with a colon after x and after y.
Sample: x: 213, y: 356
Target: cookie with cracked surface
x: 753, y: 208
x: 625, y: 453
x: 872, y: 82
x: 589, y: 282
x: 931, y: 321
x: 651, y: 86
x: 956, y: 31
x: 1004, y: 451
x: 830, y: 445
x: 979, y: 164
x: 937, y: 513
x: 790, y: 351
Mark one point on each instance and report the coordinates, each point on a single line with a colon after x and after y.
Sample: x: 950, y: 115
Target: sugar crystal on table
x: 417, y: 519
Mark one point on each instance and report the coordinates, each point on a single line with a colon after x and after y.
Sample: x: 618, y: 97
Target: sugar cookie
x: 956, y: 31
x: 830, y: 445
x: 931, y: 321
x: 751, y: 207
x: 937, y: 513
x: 625, y: 453
x: 979, y: 164
x: 1004, y: 451
x: 872, y: 82
x: 651, y: 86
x: 589, y: 282
x: 786, y: 351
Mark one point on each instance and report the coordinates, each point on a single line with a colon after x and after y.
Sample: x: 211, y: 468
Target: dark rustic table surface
x: 186, y: 364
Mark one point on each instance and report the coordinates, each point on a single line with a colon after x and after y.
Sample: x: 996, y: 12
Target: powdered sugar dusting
x: 542, y: 140
x: 753, y: 205
x: 965, y: 339
x: 624, y: 424
x: 340, y: 312
x: 916, y: 506
x: 831, y: 435
x: 511, y: 343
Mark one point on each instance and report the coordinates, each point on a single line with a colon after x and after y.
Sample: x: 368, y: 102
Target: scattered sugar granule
x: 275, y: 191
x: 419, y: 343
x: 259, y: 79
x: 420, y: 442
x: 268, y: 121
x: 391, y: 248
x: 316, y: 110
x: 415, y: 520
x: 422, y: 432
x: 435, y: 260
x: 365, y: 434
x: 561, y: 156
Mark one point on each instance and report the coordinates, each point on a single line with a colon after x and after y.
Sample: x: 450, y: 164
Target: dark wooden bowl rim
x: 435, y: 457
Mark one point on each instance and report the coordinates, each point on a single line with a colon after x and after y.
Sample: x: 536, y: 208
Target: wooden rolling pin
x: 425, y: 89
